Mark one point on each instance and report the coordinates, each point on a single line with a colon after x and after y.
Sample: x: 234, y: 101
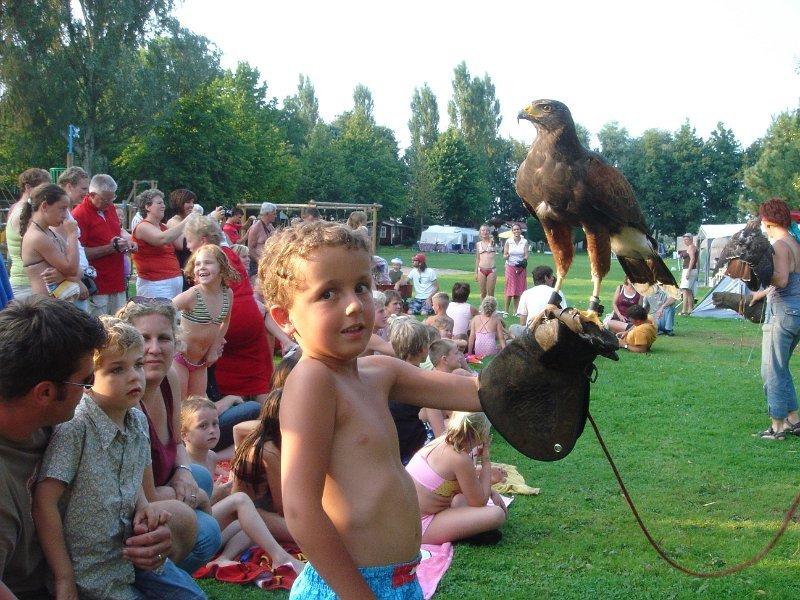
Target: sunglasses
x: 86, y: 385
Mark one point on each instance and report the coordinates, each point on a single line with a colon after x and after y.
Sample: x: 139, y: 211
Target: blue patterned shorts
x: 391, y: 582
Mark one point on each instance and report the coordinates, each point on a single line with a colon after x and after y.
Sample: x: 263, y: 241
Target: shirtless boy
x: 348, y: 501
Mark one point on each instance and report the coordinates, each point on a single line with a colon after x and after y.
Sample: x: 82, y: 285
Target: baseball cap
x: 689, y: 235
x: 397, y: 260
x: 419, y: 257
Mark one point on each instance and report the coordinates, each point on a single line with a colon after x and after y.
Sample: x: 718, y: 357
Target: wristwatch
x: 625, y: 346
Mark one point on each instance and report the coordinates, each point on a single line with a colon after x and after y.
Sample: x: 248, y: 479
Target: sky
x: 644, y: 64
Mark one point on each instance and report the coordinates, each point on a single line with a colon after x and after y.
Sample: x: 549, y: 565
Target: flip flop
x: 240, y: 573
x: 282, y: 578
x: 208, y: 570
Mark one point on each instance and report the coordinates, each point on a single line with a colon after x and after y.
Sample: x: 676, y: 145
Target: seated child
x: 639, y: 334
x: 410, y: 343
x: 445, y: 468
x: 89, y: 497
x: 349, y: 503
x: 256, y: 468
x: 394, y: 303
x: 376, y: 344
x: 439, y: 303
x: 199, y: 432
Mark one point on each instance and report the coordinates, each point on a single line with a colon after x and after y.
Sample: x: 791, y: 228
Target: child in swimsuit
x: 349, y: 503
x: 485, y: 270
x: 206, y: 315
x: 200, y: 432
x: 486, y: 329
x: 444, y: 473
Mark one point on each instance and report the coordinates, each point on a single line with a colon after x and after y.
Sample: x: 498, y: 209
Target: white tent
x: 706, y: 307
x: 711, y: 239
x: 445, y: 238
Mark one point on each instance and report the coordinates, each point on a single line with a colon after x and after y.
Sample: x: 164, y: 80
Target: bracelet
x: 187, y: 467
x: 115, y: 243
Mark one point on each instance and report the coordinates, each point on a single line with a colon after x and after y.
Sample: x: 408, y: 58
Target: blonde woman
x: 485, y: 269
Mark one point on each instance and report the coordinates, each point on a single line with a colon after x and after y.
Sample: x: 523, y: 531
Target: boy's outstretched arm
x: 432, y: 389
x: 308, y: 419
x: 50, y: 527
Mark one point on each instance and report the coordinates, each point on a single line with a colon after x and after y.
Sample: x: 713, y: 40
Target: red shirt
x: 155, y: 263
x: 232, y: 231
x: 97, y: 230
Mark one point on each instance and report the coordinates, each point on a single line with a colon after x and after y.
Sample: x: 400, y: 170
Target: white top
x: 461, y: 314
x: 423, y: 282
x: 516, y: 251
x: 533, y: 301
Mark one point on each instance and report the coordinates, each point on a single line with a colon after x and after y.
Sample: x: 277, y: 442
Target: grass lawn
x: 678, y: 422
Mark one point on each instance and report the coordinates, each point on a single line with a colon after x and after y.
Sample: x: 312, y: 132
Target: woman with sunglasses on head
x: 782, y: 321
x: 174, y: 477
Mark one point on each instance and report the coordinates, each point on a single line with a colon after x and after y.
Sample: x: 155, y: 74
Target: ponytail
x: 46, y: 192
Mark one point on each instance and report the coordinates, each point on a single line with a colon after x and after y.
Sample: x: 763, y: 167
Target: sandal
x: 792, y: 428
x: 771, y: 434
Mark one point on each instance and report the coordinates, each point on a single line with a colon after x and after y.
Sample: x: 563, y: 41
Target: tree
x: 458, y: 180
x: 776, y: 173
x: 424, y: 122
x: 724, y: 184
x: 222, y: 141
x: 300, y: 115
x: 362, y: 98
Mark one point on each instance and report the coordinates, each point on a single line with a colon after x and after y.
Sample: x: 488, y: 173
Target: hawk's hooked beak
x: 528, y: 113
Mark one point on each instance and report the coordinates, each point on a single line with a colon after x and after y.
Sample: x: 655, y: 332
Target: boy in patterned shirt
x: 89, y: 485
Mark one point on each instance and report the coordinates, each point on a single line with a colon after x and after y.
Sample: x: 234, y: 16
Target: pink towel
x: 436, y: 559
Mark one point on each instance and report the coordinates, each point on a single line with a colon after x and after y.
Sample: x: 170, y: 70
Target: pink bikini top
x: 423, y: 473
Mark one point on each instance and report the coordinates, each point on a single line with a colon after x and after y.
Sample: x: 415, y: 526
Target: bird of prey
x: 564, y: 185
x: 740, y: 303
x: 748, y: 256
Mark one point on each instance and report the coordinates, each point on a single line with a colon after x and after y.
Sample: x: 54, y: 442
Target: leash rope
x: 786, y: 520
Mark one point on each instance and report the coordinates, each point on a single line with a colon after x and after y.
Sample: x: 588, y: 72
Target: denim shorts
x: 390, y: 582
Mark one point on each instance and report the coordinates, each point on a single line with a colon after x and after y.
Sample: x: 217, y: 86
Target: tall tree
x: 222, y: 141
x: 777, y: 170
x: 724, y: 184
x: 424, y: 122
x: 362, y: 98
x: 458, y: 180
x: 300, y: 114
x: 78, y: 50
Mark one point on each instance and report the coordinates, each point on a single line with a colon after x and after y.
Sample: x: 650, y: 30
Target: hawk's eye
x: 547, y: 107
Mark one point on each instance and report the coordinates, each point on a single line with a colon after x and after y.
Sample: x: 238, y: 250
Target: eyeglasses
x: 86, y: 385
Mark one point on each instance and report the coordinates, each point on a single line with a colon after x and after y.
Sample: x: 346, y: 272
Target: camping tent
x: 711, y: 239
x: 445, y: 238
x: 706, y: 307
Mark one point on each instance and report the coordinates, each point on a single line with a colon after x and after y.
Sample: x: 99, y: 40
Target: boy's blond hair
x: 439, y: 349
x: 277, y: 271
x: 443, y: 322
x: 433, y: 334
x: 120, y: 337
x: 378, y: 298
x: 442, y: 299
x: 408, y: 336
x: 465, y: 430
x: 191, y: 406
x: 241, y: 250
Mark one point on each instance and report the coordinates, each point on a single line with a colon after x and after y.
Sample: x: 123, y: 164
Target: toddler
x: 200, y: 432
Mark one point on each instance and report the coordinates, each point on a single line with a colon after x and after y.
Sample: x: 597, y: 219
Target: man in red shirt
x: 105, y: 242
x: 233, y: 227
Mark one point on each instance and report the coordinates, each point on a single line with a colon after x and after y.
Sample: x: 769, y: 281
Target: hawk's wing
x: 609, y: 194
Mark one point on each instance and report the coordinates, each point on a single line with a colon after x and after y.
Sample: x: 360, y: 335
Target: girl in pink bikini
x: 485, y: 269
x: 445, y: 475
x: 206, y: 314
x: 486, y: 333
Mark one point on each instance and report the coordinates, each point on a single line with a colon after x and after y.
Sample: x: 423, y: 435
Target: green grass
x: 677, y: 422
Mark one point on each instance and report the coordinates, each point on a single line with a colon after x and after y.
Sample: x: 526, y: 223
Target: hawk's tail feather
x: 645, y: 272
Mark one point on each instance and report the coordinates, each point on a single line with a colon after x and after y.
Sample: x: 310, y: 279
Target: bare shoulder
x: 185, y: 300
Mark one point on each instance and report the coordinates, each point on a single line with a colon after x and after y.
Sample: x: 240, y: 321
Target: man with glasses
x: 46, y: 352
x: 105, y: 242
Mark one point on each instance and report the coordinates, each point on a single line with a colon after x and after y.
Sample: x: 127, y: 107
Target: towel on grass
x: 514, y: 482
